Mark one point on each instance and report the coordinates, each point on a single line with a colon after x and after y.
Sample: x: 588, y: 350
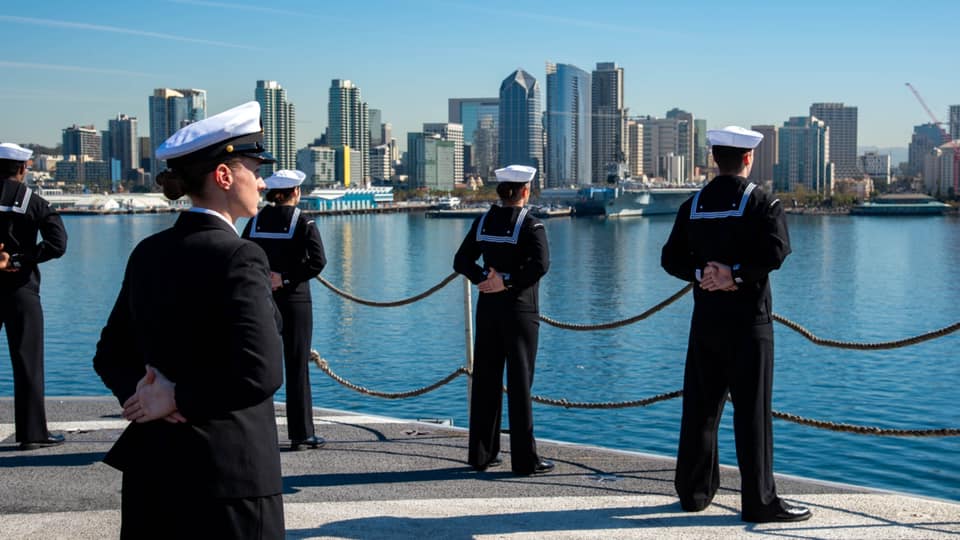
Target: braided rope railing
x: 819, y: 424
x: 615, y: 324
x: 325, y: 367
x: 394, y: 303
x: 866, y: 346
x: 894, y: 344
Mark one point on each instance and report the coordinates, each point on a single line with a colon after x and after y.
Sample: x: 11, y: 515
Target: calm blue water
x: 861, y: 279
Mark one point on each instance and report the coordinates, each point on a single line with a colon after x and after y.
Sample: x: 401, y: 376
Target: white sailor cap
x: 516, y: 173
x: 14, y: 152
x: 285, y: 179
x: 734, y: 136
x: 234, y: 132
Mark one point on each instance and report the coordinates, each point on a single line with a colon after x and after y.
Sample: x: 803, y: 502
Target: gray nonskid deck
x: 389, y: 478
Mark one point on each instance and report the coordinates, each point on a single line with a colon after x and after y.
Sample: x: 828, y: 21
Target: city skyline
x: 75, y: 65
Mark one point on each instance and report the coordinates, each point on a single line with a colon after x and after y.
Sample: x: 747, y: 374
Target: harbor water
x: 849, y: 278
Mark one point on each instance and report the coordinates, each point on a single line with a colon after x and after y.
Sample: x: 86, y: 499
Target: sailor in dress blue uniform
x: 24, y: 214
x: 192, y: 350
x: 515, y: 254
x: 295, y: 251
x: 727, y: 238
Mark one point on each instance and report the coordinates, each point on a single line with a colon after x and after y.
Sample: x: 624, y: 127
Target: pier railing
x: 324, y: 365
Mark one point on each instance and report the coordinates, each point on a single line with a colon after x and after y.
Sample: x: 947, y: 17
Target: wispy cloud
x: 564, y: 21
x: 80, y: 69
x: 118, y: 30
x: 243, y: 7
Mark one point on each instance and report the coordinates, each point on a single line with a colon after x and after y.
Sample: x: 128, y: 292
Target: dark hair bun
x: 172, y: 183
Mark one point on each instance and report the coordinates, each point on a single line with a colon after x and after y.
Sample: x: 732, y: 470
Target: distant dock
x: 382, y: 477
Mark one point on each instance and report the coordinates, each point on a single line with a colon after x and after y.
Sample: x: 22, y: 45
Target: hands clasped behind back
x: 154, y: 399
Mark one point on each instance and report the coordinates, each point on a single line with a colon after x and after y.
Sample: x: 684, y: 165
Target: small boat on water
x: 901, y: 204
x: 448, y: 202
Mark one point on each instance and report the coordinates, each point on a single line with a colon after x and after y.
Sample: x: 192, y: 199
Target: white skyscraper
x: 349, y: 121
x: 279, y: 126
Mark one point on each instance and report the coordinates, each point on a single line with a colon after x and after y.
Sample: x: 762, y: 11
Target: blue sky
x: 741, y: 62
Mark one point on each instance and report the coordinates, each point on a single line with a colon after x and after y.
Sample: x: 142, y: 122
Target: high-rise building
x: 146, y: 152
x: 375, y: 125
x: 349, y: 121
x: 700, y: 146
x: 661, y: 139
x: 569, y: 126
x: 685, y: 138
x: 429, y: 162
x: 454, y: 134
x: 520, y: 134
x: 765, y: 155
x: 278, y: 118
x: 469, y: 112
x: 609, y: 115
x: 842, y: 121
x: 380, y: 167
x: 955, y: 122
x: 483, y: 151
x: 804, y: 155
x: 925, y: 138
x: 170, y: 110
x: 82, y: 142
x: 124, y: 144
x: 635, y: 149
x: 319, y: 164
x: 348, y: 169
x: 938, y: 170
x: 876, y: 166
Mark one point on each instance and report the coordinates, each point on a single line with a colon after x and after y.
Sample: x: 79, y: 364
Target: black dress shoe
x: 51, y: 440
x: 779, y: 512
x: 542, y: 466
x: 313, y: 442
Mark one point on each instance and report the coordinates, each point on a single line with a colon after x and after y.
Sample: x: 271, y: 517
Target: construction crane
x: 947, y: 139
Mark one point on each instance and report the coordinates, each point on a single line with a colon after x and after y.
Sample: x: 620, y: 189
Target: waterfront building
x: 685, y: 139
x: 123, y: 145
x: 334, y: 199
x: 348, y: 167
x: 348, y: 121
x: 842, y: 122
x: 278, y: 118
x: 375, y: 126
x: 609, y: 116
x: 804, y: 157
x: 877, y: 167
x: 954, y: 122
x: 170, y: 110
x: 661, y: 137
x: 380, y: 164
x: 453, y: 133
x: 520, y: 133
x: 765, y: 155
x: 700, y: 146
x: 569, y: 126
x: 925, y: 138
x: 318, y: 163
x: 80, y: 141
x: 430, y: 162
x: 83, y: 170
x: 938, y: 169
x: 635, y: 149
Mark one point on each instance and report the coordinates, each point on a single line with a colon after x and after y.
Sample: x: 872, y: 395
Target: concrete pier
x: 382, y: 477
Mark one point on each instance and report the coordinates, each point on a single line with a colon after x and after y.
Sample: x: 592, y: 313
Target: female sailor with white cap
x: 728, y: 237
x: 192, y: 350
x: 515, y: 256
x: 24, y: 215
x: 295, y: 252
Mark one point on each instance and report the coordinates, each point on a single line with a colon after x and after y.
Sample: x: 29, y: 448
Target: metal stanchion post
x: 468, y: 335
